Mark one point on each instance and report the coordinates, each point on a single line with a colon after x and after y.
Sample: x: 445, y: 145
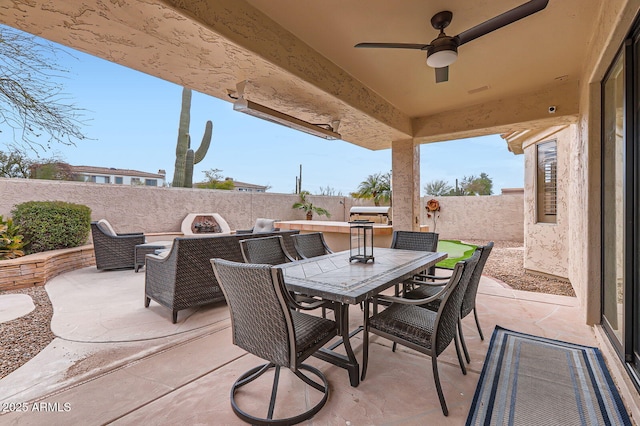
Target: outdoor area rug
x: 531, y: 380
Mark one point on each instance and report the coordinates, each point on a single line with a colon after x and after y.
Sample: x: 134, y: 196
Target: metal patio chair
x: 418, y: 241
x: 272, y: 251
x: 406, y: 323
x: 266, y: 250
x: 311, y: 245
x: 265, y: 323
x: 469, y: 300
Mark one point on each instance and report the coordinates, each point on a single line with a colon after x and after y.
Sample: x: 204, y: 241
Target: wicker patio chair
x: 418, y: 241
x: 265, y: 323
x: 469, y: 300
x: 310, y: 245
x: 272, y: 251
x: 267, y: 250
x: 261, y: 225
x: 113, y: 250
x: 423, y: 330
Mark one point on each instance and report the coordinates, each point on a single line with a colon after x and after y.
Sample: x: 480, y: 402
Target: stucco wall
x: 489, y: 218
x: 547, y: 244
x: 147, y: 209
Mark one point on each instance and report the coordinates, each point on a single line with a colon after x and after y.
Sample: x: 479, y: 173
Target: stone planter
x: 37, y: 269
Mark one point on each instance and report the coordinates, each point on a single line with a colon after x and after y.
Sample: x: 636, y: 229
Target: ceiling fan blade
x: 394, y: 45
x: 509, y: 17
x: 442, y: 74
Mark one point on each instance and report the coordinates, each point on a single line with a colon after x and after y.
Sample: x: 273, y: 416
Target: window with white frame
x: 547, y: 181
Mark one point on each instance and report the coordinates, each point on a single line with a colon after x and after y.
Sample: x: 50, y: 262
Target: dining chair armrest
x: 423, y: 301
x: 305, y: 303
x: 433, y: 277
x: 427, y: 283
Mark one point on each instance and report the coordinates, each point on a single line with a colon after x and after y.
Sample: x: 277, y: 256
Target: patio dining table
x: 333, y: 277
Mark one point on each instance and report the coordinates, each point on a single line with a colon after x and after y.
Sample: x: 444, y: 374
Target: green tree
x: 52, y: 170
x: 472, y: 185
x: 307, y: 206
x: 437, y: 188
x: 376, y: 187
x: 32, y: 102
x: 14, y: 164
x: 215, y: 180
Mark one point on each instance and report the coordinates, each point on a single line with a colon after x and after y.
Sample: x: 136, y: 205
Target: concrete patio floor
x: 114, y: 361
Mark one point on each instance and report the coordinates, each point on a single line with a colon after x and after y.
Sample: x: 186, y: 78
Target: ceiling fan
x: 443, y: 50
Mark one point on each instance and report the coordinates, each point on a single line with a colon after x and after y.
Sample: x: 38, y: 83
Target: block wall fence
x: 155, y: 210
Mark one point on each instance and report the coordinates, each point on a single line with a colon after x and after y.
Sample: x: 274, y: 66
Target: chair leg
x: 258, y: 371
x: 274, y: 392
x: 463, y: 367
x: 147, y: 300
x: 464, y: 345
x: 365, y: 342
x: 475, y: 314
x: 394, y: 346
x: 175, y: 316
x: 436, y: 378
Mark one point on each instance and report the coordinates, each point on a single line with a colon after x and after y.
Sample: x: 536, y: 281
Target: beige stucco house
x: 563, y: 75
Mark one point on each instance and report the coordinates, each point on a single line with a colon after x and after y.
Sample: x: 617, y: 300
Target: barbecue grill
x: 375, y: 214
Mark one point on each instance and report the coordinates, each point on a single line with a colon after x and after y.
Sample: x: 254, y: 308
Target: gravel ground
x: 506, y: 263
x: 25, y: 337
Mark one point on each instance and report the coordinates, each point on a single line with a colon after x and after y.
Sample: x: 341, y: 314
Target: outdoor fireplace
x: 203, y: 224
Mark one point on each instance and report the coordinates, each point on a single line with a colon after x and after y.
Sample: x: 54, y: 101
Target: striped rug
x: 530, y: 380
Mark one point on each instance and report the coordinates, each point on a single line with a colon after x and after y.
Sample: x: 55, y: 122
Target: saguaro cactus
x: 185, y: 156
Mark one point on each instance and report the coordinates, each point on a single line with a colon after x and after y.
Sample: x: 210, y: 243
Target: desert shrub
x: 51, y: 225
x: 10, y: 240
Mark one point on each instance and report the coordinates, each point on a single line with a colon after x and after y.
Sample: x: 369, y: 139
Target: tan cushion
x: 263, y: 225
x: 106, y: 228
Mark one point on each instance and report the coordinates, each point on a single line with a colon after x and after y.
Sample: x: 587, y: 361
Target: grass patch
x: 456, y: 250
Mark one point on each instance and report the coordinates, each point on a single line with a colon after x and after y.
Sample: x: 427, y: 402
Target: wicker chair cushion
x: 310, y: 330
x: 411, y: 323
x: 106, y: 228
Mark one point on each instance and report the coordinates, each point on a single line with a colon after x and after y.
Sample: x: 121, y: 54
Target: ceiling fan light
x: 442, y: 59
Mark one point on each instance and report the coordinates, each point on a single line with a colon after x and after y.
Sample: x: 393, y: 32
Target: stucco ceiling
x: 538, y: 51
x: 298, y: 57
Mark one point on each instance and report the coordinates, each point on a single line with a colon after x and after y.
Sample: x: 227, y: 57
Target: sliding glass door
x: 613, y: 196
x: 621, y: 203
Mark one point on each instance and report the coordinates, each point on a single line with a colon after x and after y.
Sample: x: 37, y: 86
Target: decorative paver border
x: 37, y: 269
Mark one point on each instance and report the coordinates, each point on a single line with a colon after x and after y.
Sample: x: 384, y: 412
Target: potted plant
x: 308, y: 206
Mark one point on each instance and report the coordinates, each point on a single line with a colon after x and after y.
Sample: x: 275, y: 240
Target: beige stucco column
x: 405, y: 185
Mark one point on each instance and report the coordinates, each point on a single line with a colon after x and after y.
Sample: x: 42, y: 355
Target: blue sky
x: 132, y: 123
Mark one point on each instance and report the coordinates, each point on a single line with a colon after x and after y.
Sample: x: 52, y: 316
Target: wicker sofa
x: 184, y: 278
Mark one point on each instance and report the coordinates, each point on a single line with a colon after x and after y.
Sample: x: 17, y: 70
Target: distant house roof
x: 115, y: 172
x: 239, y: 184
x: 242, y: 186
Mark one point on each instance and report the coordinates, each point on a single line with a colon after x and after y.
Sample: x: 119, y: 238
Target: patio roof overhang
x: 298, y: 58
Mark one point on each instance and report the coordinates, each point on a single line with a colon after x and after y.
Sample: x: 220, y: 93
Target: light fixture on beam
x: 326, y: 131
